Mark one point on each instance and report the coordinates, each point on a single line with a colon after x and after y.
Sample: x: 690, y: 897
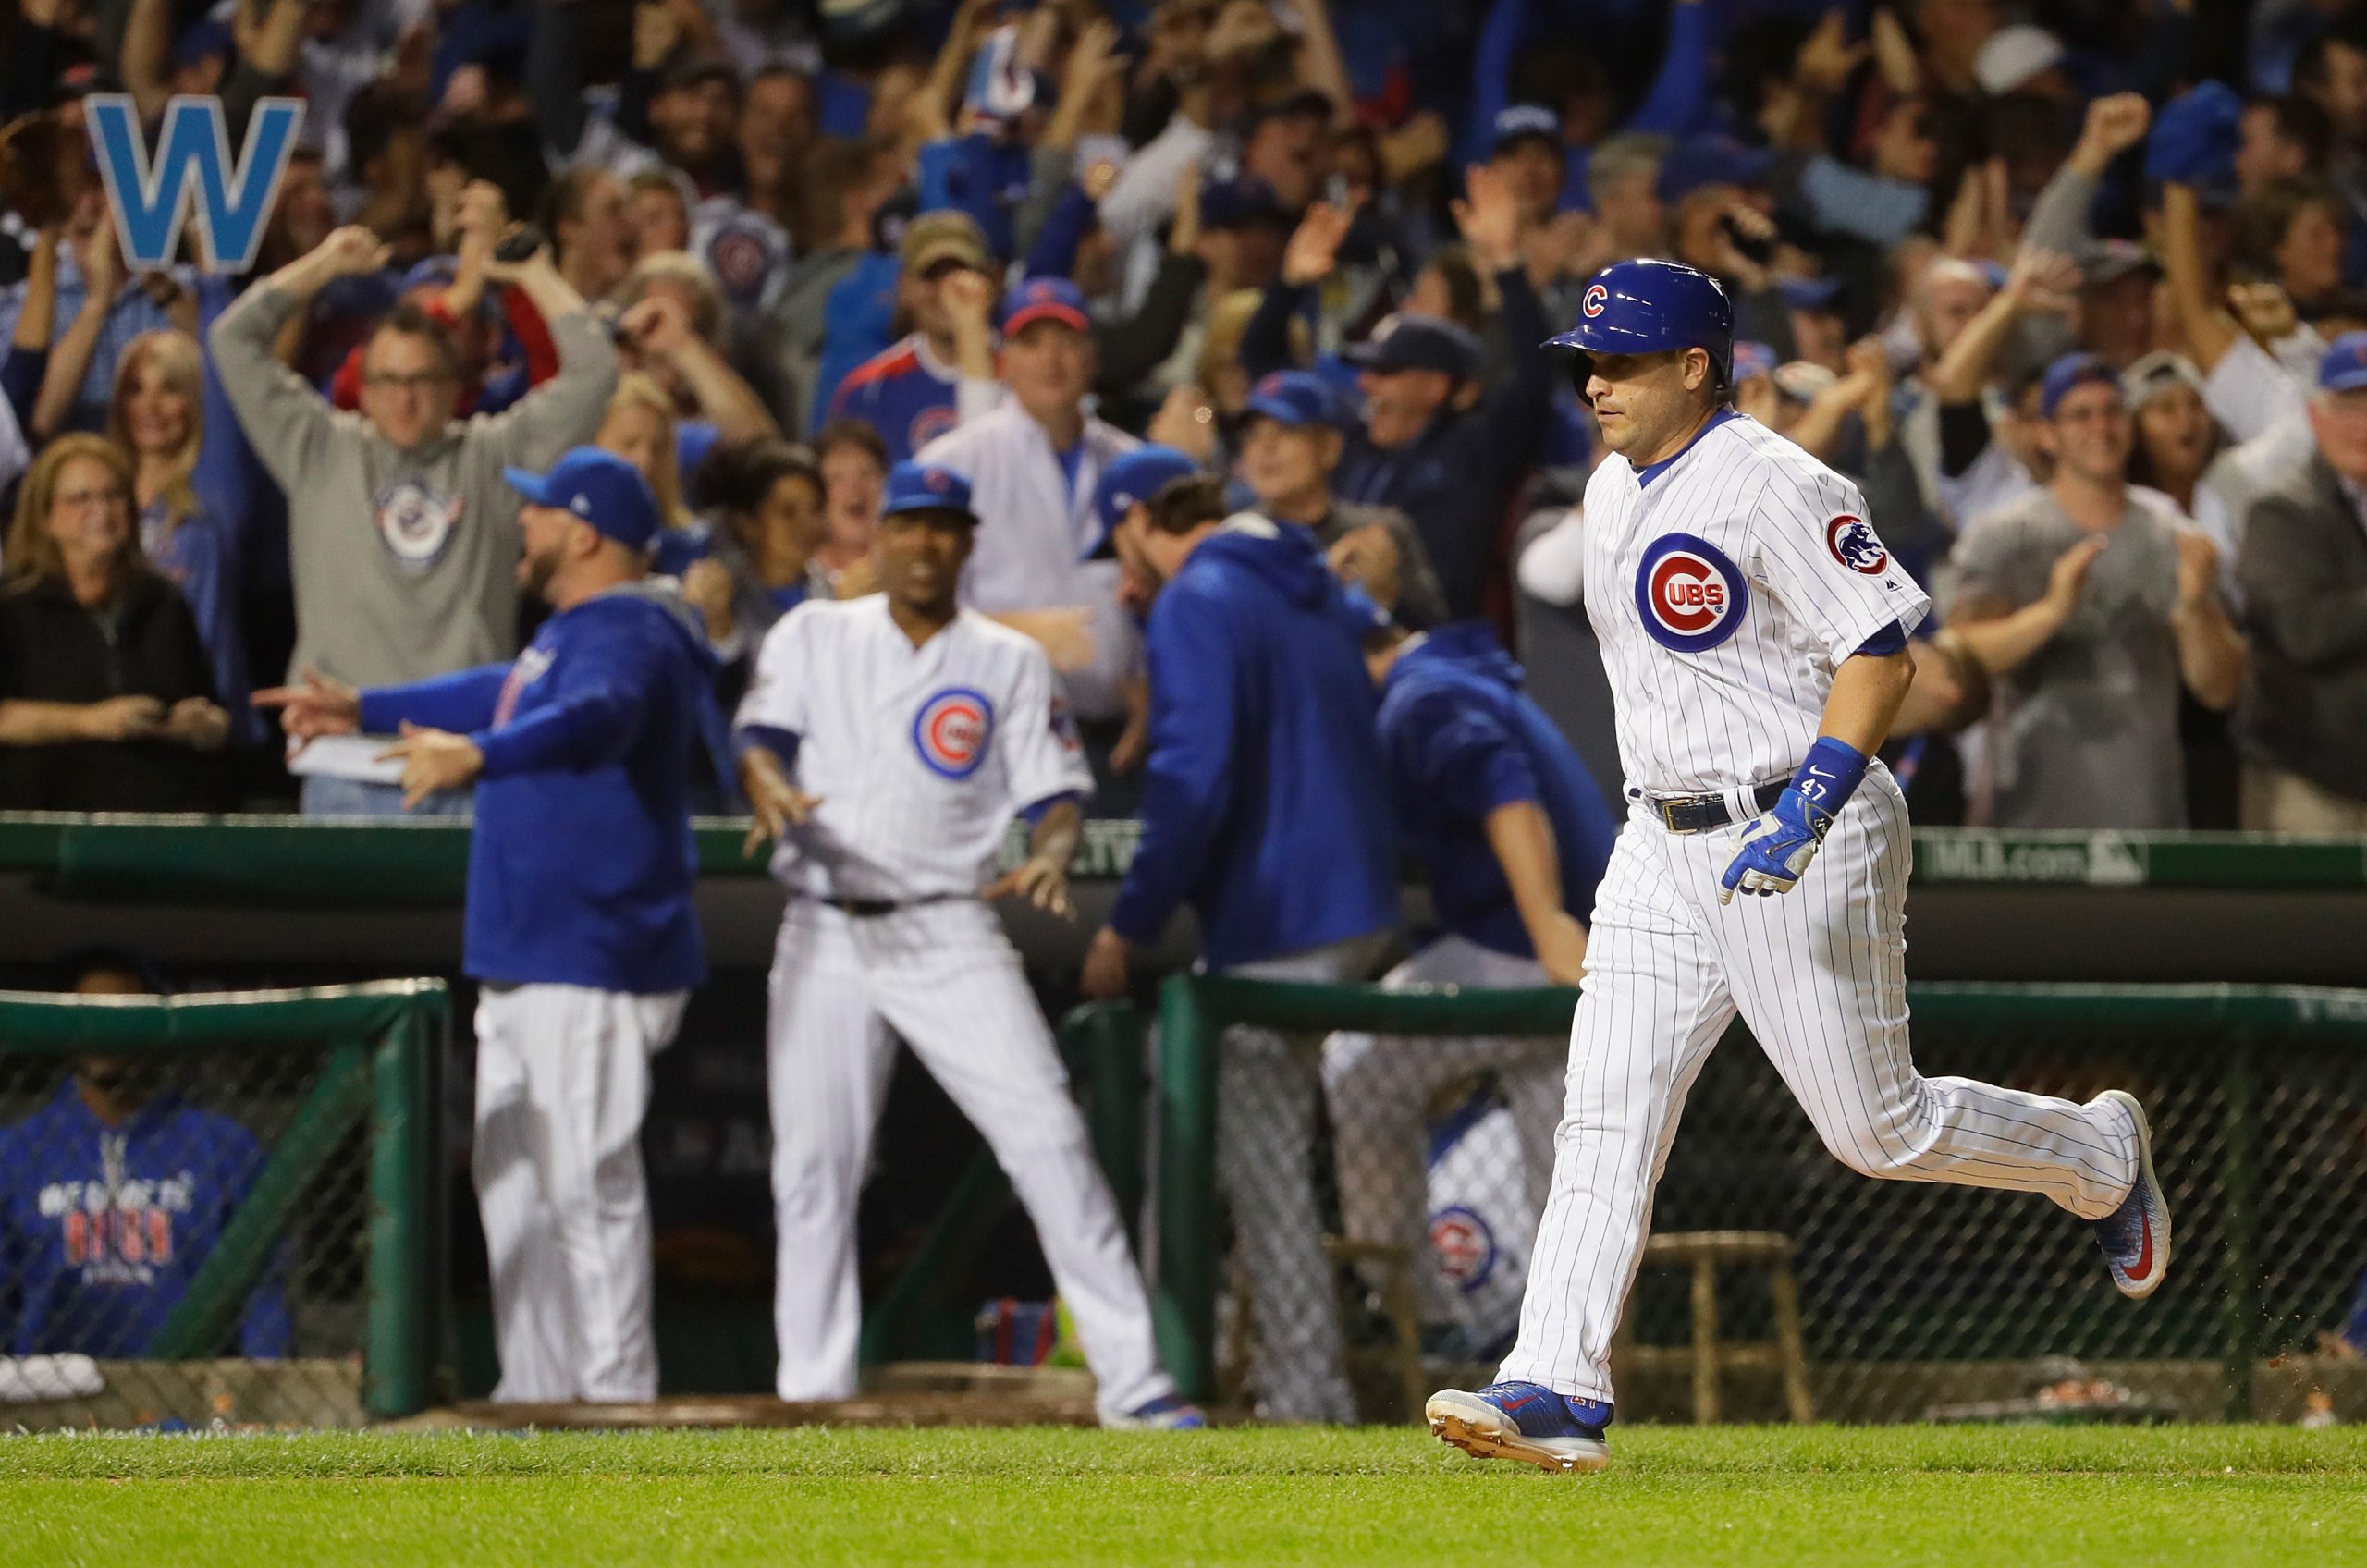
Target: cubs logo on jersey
x: 1691, y: 595
x: 1464, y: 1245
x: 930, y: 423
x: 952, y: 731
x: 1855, y: 544
x: 416, y: 521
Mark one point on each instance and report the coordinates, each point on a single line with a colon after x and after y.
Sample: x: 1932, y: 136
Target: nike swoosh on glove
x: 1773, y: 849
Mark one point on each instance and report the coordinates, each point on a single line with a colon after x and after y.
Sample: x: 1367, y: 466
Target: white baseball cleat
x: 1523, y: 1421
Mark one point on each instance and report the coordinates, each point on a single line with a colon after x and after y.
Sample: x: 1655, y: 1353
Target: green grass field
x: 1764, y: 1497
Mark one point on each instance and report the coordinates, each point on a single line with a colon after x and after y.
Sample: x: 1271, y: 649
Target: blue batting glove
x: 1773, y: 847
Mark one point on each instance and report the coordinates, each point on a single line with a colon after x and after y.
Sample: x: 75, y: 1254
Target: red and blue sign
x: 1690, y: 596
x: 952, y: 731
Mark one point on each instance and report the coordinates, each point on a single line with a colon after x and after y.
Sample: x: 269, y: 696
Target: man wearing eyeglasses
x: 402, y: 534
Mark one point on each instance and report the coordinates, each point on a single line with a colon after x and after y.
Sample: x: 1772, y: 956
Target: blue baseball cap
x: 1809, y: 293
x: 2068, y: 371
x: 1410, y: 341
x: 600, y: 487
x: 1043, y: 299
x: 1242, y: 201
x: 1133, y: 476
x: 1295, y: 398
x: 927, y: 488
x: 1751, y: 359
x: 1711, y: 160
x: 1524, y: 122
x: 2344, y: 369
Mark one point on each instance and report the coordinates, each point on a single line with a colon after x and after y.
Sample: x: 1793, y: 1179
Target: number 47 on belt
x: 150, y: 199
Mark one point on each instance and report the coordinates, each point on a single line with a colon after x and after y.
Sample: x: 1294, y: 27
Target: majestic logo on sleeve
x: 531, y: 666
x: 416, y: 521
x: 952, y: 731
x: 1690, y: 596
x: 1853, y: 543
x: 1597, y: 295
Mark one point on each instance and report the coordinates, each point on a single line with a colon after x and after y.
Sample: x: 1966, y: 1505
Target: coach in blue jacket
x: 1263, y: 806
x: 580, y: 926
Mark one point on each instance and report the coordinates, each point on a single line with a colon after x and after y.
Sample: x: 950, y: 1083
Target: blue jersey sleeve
x: 593, y: 720
x: 1187, y: 785
x: 460, y: 701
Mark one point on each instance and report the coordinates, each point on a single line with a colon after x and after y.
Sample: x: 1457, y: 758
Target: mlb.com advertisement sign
x: 191, y: 177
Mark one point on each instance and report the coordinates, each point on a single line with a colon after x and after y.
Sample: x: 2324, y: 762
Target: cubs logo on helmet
x: 1595, y: 298
x: 952, y: 731
x: 1691, y: 595
x: 1855, y: 544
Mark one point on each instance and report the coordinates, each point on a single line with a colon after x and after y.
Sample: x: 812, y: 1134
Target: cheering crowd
x: 2074, y: 294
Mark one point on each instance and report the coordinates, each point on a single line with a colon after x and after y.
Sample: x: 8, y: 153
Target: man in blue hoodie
x: 1512, y: 835
x: 580, y: 926
x: 1264, y: 807
x: 112, y: 1197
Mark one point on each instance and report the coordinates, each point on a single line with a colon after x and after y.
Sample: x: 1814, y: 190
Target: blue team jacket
x: 101, y: 1227
x: 580, y: 867
x: 1462, y: 740
x: 1263, y: 801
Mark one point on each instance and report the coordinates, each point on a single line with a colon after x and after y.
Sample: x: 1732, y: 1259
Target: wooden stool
x: 1391, y: 1268
x: 1704, y: 1252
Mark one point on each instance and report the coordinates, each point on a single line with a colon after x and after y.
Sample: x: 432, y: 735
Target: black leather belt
x: 1699, y: 814
x: 872, y: 909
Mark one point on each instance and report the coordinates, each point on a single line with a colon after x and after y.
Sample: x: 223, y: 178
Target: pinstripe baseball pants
x: 562, y: 1081
x: 1819, y: 975
x: 947, y: 980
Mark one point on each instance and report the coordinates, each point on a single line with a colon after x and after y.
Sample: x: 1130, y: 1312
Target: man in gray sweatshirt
x: 402, y: 534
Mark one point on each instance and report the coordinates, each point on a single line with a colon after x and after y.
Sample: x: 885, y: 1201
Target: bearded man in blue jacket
x: 579, y: 927
x: 1263, y: 806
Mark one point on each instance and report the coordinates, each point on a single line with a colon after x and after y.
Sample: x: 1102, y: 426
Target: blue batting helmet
x: 1648, y: 307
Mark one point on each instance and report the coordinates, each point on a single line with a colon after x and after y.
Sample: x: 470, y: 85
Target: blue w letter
x: 150, y: 200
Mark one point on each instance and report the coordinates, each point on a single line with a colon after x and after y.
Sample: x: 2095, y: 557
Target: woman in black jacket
x: 106, y: 693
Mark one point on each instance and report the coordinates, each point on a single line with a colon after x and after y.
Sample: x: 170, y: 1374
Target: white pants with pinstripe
x: 948, y: 982
x: 1818, y: 975
x: 562, y: 1081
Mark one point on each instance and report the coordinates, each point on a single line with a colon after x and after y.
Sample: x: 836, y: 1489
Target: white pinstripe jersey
x: 1726, y: 585
x: 921, y: 755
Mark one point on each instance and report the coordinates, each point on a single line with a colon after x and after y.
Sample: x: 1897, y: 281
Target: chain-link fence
x: 1813, y: 1289
x: 213, y: 1211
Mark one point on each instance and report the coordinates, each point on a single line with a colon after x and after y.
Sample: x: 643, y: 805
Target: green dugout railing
x: 288, y: 860
x: 2233, y: 1030
x: 379, y: 1045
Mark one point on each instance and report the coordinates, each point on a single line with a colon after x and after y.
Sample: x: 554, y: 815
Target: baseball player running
x: 579, y: 927
x: 887, y: 743
x: 1512, y: 836
x: 1754, y: 630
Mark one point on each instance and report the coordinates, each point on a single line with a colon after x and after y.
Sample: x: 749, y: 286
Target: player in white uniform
x: 1753, y: 627
x: 889, y: 742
